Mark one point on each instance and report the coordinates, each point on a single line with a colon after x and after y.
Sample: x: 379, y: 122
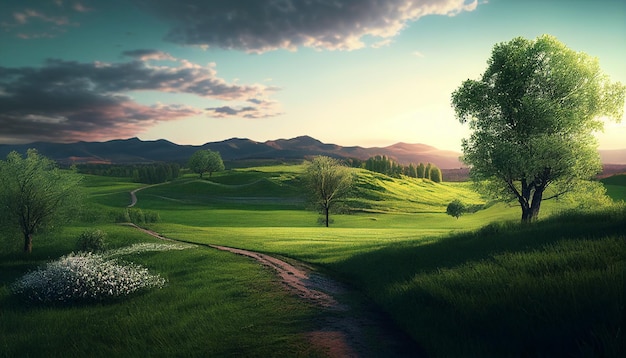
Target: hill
x: 134, y: 150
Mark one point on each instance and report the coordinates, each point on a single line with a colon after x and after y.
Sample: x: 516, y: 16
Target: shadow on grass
x: 556, y: 287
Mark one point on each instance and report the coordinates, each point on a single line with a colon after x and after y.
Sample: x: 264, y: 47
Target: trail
x: 133, y: 194
x: 345, y: 330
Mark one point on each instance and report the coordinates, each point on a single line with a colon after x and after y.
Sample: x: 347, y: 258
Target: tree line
x: 385, y: 165
x: 140, y: 173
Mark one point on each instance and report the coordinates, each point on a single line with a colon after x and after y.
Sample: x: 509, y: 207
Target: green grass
x: 551, y: 289
x: 215, y: 304
x: 615, y: 186
x: 457, y: 287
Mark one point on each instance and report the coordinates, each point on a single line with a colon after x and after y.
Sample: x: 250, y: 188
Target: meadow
x: 481, y: 285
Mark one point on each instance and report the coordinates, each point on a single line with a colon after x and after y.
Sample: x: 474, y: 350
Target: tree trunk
x: 530, y: 212
x: 326, y: 210
x: 28, y: 243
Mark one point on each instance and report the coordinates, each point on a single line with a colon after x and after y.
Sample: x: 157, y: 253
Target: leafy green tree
x: 456, y: 208
x: 427, y: 170
x: 205, y: 161
x: 411, y: 171
x: 421, y: 171
x: 35, y: 194
x: 216, y: 163
x: 327, y: 182
x: 435, y: 174
x: 532, y: 115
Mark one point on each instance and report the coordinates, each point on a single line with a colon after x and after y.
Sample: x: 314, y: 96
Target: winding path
x: 353, y: 330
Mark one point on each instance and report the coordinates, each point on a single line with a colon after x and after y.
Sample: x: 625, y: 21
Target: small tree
x: 456, y: 208
x: 435, y: 174
x: 35, y: 194
x: 421, y: 171
x: 215, y: 162
x: 327, y: 182
x: 205, y: 161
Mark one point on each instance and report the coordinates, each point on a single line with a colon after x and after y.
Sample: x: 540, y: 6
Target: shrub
x: 456, y: 208
x: 139, y: 216
x: 84, y: 277
x: 91, y: 241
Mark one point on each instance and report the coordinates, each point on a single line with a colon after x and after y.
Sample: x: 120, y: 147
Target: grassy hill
x: 615, y: 186
x: 481, y: 285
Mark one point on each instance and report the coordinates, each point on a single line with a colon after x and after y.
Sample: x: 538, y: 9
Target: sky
x: 348, y: 72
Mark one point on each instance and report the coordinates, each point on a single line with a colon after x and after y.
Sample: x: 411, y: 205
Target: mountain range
x: 134, y: 150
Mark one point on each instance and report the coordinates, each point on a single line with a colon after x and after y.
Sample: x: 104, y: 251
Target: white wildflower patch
x: 85, y: 277
x: 146, y: 247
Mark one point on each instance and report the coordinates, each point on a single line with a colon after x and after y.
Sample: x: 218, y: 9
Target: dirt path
x: 350, y: 325
x: 133, y: 194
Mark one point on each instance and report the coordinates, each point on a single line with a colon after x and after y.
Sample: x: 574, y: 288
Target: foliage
x: 205, y: 161
x: 456, y: 208
x: 385, y: 165
x: 139, y: 216
x: 35, y: 194
x: 84, y: 277
x: 140, y: 173
x: 91, y: 241
x: 327, y: 182
x: 435, y: 174
x: 532, y: 114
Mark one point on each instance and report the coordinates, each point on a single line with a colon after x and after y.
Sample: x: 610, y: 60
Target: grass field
x: 480, y: 286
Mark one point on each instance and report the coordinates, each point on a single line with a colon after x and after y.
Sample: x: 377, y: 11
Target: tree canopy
x: 35, y: 194
x: 532, y: 115
x: 456, y: 208
x: 205, y: 161
x: 327, y: 182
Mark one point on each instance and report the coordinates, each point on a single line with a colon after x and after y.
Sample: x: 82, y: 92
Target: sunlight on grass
x: 482, y: 284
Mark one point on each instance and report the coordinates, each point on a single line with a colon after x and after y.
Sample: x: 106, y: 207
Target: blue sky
x: 350, y: 72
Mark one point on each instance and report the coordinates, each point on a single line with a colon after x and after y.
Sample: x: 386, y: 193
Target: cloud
x: 48, y: 20
x: 69, y: 101
x: 148, y: 55
x: 27, y: 15
x: 261, y: 109
x: 265, y: 25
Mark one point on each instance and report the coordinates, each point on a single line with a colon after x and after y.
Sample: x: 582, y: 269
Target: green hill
x: 482, y: 285
x: 615, y: 186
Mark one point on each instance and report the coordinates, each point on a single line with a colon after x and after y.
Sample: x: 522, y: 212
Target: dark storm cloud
x: 67, y: 101
x: 264, y: 25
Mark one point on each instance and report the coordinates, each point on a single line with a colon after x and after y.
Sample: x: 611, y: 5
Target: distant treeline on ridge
x: 140, y: 173
x: 385, y: 165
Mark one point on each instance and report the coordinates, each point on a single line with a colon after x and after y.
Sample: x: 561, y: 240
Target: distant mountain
x: 134, y: 150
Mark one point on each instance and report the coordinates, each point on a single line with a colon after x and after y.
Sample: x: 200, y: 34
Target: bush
x: 139, y: 216
x: 84, y: 277
x: 91, y: 241
x: 456, y: 208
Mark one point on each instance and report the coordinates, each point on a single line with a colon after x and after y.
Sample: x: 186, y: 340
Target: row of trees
x: 385, y: 165
x: 140, y: 173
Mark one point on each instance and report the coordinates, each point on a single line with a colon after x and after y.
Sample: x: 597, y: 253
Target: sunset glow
x: 357, y: 72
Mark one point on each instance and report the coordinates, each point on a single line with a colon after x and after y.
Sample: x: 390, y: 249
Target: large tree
x: 327, y: 182
x: 35, y: 194
x: 205, y: 161
x: 532, y: 115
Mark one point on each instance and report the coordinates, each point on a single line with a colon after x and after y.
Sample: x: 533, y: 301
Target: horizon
x: 367, y: 75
